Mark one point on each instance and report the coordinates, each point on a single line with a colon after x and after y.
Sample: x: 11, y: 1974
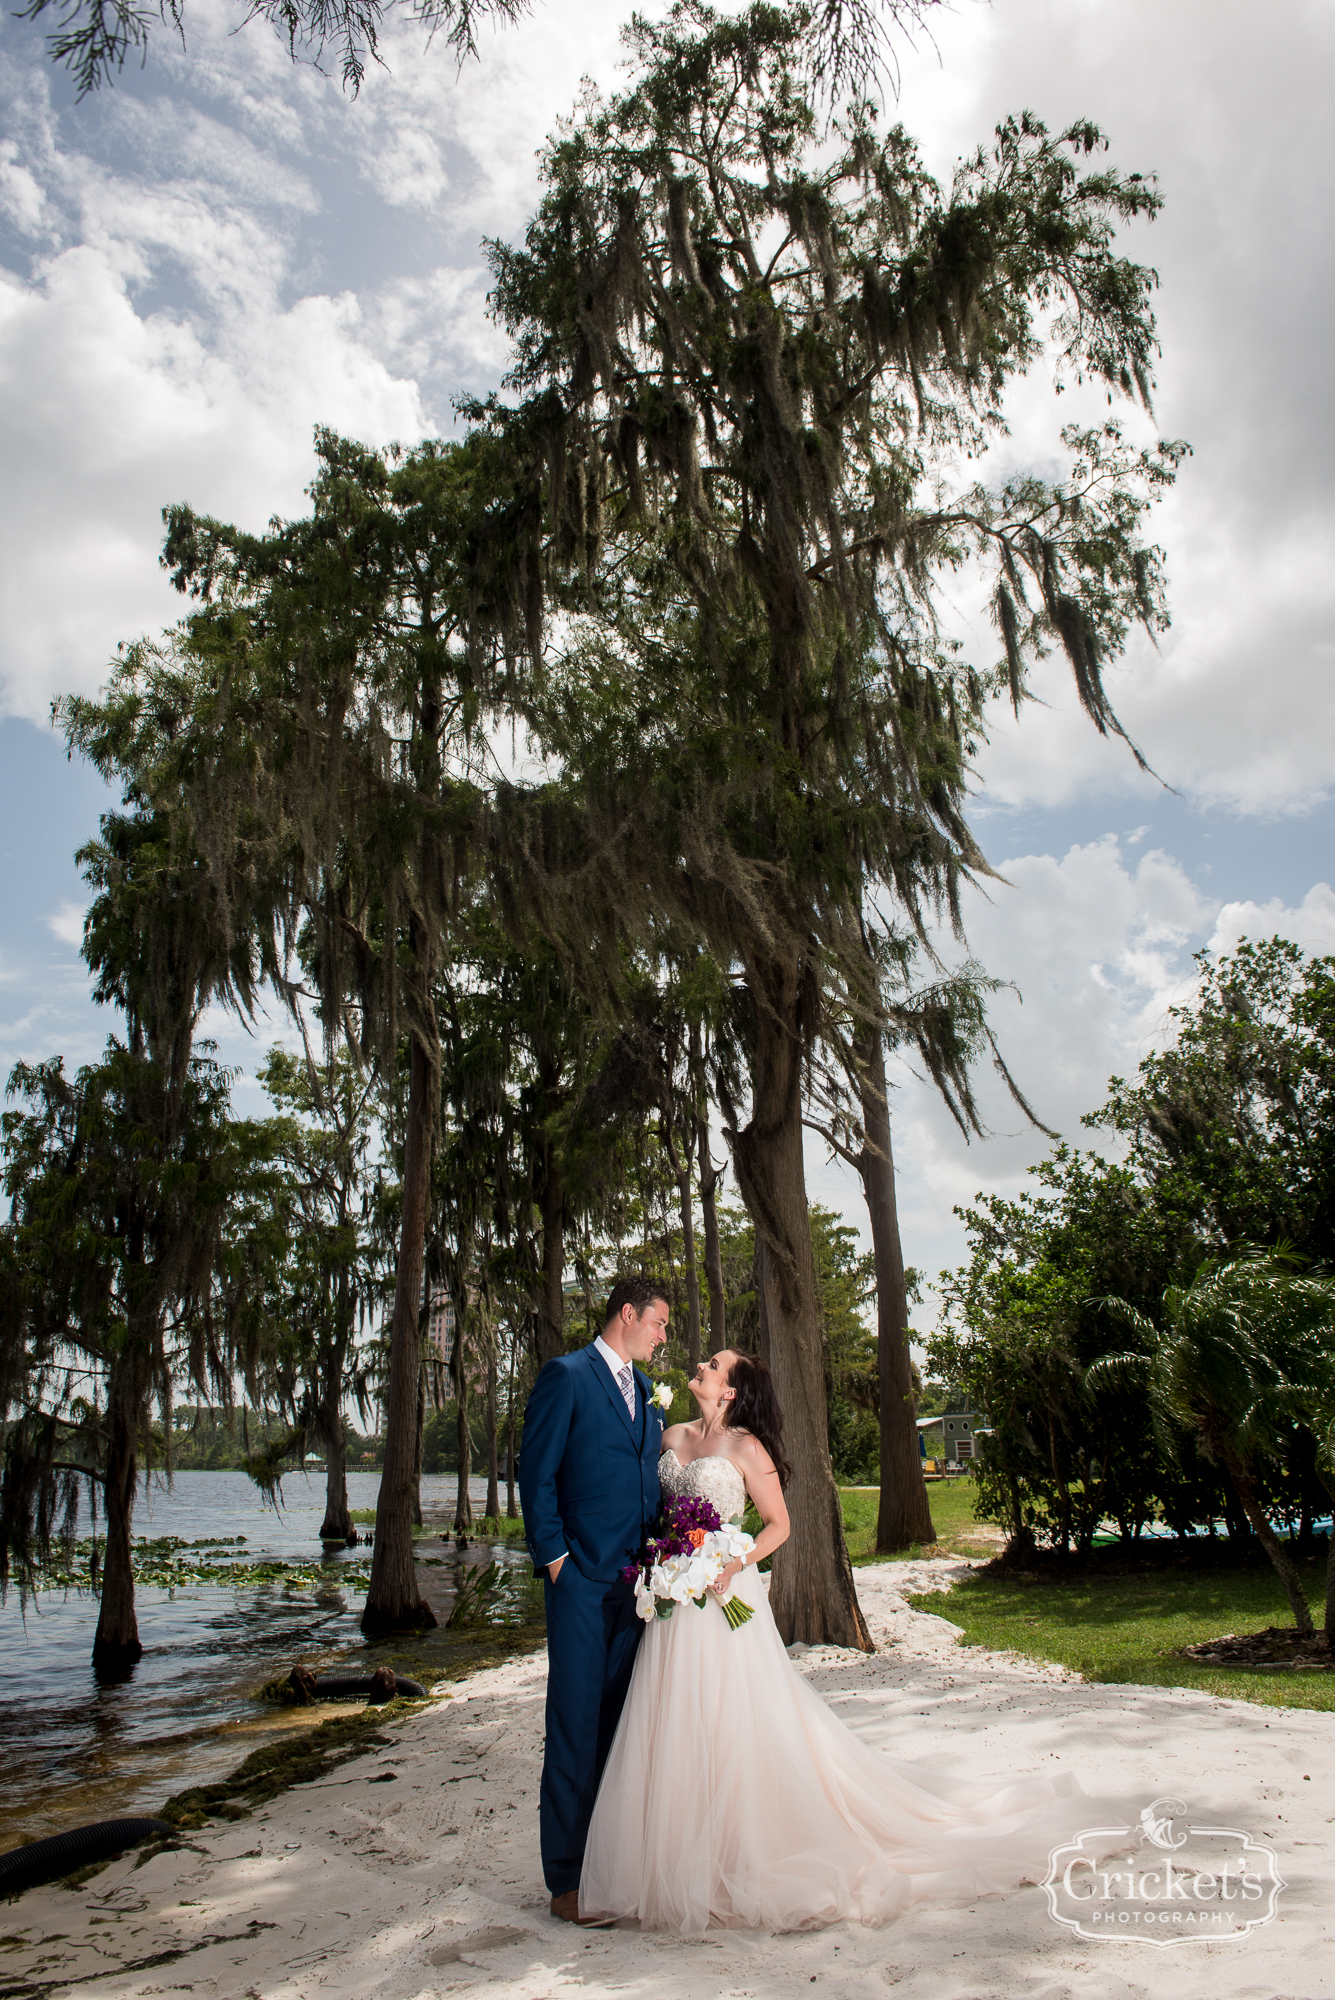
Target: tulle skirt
x: 733, y: 1795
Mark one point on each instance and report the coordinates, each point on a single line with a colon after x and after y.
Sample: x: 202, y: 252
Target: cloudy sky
x: 201, y: 264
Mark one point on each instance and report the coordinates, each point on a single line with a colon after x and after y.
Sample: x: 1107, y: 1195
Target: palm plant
x: 1248, y: 1346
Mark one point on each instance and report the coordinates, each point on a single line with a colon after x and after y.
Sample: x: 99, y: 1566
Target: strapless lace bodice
x: 714, y: 1479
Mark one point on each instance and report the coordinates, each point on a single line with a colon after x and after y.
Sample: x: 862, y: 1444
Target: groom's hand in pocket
x: 554, y: 1569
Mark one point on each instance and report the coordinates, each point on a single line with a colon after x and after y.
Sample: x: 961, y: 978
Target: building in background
x: 958, y: 1434
x: 440, y: 1324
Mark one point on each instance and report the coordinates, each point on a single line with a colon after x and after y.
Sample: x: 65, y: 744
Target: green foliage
x: 1230, y: 1131
x: 222, y: 1440
x: 333, y: 1279
x: 1128, y: 1624
x: 1235, y: 1122
x: 1237, y: 1356
x: 683, y: 1407
x: 134, y: 1199
x: 92, y: 38
x: 846, y: 1288
x: 499, y: 1595
x: 1021, y: 1324
x: 166, y: 1562
x: 440, y: 1439
x: 953, y: 1518
x: 293, y: 1760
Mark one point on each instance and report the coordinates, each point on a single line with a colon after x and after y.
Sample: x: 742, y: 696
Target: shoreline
x: 133, y: 1774
x: 412, y: 1869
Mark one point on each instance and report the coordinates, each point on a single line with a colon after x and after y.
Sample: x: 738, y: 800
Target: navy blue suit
x: 588, y: 1485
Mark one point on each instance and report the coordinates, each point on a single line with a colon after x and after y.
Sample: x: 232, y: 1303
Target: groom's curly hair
x: 755, y: 1408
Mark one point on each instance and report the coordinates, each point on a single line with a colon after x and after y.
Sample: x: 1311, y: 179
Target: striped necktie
x: 624, y: 1384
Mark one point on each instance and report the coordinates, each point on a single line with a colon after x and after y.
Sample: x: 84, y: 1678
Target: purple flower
x: 679, y: 1518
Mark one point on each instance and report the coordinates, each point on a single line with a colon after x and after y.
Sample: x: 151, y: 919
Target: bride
x: 732, y: 1794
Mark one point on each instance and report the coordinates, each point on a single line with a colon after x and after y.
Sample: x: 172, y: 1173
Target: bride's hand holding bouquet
x: 691, y: 1555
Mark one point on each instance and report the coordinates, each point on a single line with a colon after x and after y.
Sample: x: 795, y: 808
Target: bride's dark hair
x: 755, y: 1408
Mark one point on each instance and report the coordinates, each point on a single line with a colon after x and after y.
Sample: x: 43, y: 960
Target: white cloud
x: 112, y: 414
x: 1311, y: 924
x: 1240, y: 707
x: 67, y: 924
x: 494, y: 114
x: 168, y: 343
x: 21, y: 199
x: 1100, y: 945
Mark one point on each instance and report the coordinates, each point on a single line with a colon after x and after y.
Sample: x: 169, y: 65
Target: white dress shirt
x: 614, y: 1362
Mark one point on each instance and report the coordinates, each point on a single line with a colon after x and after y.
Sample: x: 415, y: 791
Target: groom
x: 588, y: 1485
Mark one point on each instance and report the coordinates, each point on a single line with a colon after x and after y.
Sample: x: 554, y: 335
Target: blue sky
x: 199, y: 265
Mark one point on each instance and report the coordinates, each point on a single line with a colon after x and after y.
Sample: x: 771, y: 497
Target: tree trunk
x: 337, y: 1523
x: 692, y: 1275
x: 493, y: 1482
x: 463, y: 1504
x: 589, y: 1328
x: 904, y: 1515
x: 116, y: 1644
x: 417, y: 1444
x: 511, y: 1511
x: 710, y: 1176
x: 681, y: 1170
x: 393, y: 1602
x: 1270, y: 1542
x: 551, y: 1316
x: 1329, y: 1616
x: 812, y: 1594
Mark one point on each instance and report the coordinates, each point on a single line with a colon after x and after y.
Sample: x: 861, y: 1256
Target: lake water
x: 188, y: 1713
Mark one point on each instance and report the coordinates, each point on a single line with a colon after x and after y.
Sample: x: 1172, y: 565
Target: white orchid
x: 687, y: 1578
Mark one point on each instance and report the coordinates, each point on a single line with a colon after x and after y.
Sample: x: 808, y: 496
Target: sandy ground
x: 430, y: 1883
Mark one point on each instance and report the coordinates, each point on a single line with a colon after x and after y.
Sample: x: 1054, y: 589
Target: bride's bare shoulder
x: 674, y: 1437
x: 749, y: 1454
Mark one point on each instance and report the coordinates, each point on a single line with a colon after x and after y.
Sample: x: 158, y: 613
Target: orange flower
x: 695, y: 1536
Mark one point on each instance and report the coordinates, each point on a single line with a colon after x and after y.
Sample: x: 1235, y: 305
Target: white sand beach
x: 427, y: 1882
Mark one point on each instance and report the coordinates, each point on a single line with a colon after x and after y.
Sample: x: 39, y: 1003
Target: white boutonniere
x: 662, y: 1397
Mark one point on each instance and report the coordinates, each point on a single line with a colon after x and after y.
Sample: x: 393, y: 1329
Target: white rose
x: 662, y: 1397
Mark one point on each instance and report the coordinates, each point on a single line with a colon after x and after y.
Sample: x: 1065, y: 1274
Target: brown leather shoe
x: 567, y: 1909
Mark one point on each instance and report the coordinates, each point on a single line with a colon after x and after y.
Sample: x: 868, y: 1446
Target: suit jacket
x: 588, y: 1474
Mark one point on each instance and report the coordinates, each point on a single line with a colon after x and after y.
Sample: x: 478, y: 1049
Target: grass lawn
x: 1110, y: 1617
x: 1112, y: 1621
x: 951, y: 1502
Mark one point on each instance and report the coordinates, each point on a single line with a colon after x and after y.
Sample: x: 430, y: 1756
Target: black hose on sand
x: 48, y: 1860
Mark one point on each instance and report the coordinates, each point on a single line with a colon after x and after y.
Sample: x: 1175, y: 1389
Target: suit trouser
x: 592, y: 1633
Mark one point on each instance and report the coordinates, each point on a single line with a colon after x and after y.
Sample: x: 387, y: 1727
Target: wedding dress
x: 733, y: 1795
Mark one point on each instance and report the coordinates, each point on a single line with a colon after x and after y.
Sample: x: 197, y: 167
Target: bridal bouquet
x: 688, y: 1550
